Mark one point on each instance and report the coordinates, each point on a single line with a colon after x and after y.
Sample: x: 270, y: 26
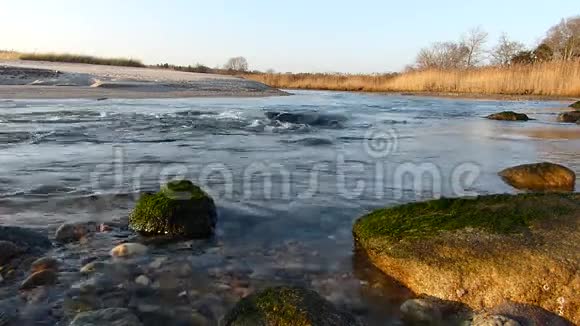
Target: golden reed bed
x: 558, y: 79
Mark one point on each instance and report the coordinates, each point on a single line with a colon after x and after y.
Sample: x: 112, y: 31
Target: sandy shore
x: 46, y: 80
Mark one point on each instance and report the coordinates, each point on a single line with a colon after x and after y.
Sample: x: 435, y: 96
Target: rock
x: 8, y: 250
x: 575, y: 105
x: 287, y: 306
x: 540, y: 176
x: 523, y: 247
x: 129, y: 250
x: 493, y: 320
x: 180, y: 210
x: 106, y: 317
x: 143, y: 280
x: 26, y: 240
x: 41, y: 278
x: 45, y: 263
x: 71, y: 232
x: 508, y: 116
x: 526, y: 314
x: 421, y: 311
x: 569, y: 117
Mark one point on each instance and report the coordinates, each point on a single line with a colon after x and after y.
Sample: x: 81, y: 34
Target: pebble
x: 91, y: 267
x: 41, y: 278
x: 158, y: 262
x: 45, y: 263
x: 71, y: 232
x: 128, y: 250
x: 143, y: 280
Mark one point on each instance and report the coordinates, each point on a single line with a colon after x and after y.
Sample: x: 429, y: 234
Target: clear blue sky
x: 298, y: 35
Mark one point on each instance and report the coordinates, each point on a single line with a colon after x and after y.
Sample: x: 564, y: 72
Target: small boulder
x: 540, y: 176
x: 569, y: 117
x: 72, y: 232
x: 44, y: 263
x: 129, y: 250
x: 287, y: 306
x: 107, y: 317
x: 8, y: 250
x: 575, y: 105
x: 180, y: 210
x: 41, y: 278
x: 421, y: 311
x: 508, y: 116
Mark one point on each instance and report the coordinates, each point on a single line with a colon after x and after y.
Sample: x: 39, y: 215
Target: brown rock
x: 540, y: 176
x: 42, y: 278
x: 569, y: 117
x: 44, y: 263
x: 508, y: 116
x: 71, y: 232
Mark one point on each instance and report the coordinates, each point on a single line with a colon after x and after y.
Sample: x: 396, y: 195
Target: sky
x: 365, y: 36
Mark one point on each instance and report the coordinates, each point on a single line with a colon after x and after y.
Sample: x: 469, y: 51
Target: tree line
x: 561, y: 42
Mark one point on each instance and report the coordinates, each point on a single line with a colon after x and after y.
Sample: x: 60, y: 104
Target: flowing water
x: 289, y: 175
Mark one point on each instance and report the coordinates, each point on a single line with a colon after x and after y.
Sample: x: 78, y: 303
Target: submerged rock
x: 24, y: 239
x: 428, y: 310
x: 180, y: 209
x: 575, y: 105
x: 8, y: 250
x: 71, y: 232
x: 41, y: 278
x: 569, y: 117
x: 44, y: 263
x: 493, y: 320
x: 540, y: 176
x: 129, y: 250
x: 106, y: 317
x: 281, y: 306
x: 492, y: 248
x: 508, y: 116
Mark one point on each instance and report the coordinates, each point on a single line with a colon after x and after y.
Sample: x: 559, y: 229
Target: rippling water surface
x: 292, y: 172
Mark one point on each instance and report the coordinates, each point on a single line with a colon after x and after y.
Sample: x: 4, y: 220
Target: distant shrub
x: 75, y: 58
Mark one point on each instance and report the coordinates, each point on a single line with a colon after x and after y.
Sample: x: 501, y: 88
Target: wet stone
x: 41, y: 278
x: 45, y: 263
x: 107, y: 317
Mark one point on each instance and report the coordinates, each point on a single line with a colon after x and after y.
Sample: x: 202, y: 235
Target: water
x: 289, y: 174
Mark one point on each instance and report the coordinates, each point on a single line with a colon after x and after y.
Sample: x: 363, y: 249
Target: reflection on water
x: 289, y: 174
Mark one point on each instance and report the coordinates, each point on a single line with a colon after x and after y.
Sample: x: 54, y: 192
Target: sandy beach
x: 48, y: 80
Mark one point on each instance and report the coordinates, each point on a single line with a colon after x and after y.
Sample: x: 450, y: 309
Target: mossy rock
x: 575, y: 105
x: 508, y: 116
x: 179, y: 209
x: 482, y: 251
x: 287, y: 306
x: 543, y: 176
x: 569, y: 117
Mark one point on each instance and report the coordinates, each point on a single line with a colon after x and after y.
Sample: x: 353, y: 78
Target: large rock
x: 282, y: 306
x: 540, y: 176
x: 575, y: 105
x: 508, y: 116
x: 106, y: 317
x: 482, y: 251
x: 569, y: 117
x: 180, y: 209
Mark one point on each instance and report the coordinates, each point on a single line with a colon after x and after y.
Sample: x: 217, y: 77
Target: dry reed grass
x: 541, y: 79
x: 9, y: 55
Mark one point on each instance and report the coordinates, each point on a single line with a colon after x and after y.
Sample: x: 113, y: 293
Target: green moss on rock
x: 179, y: 209
x: 495, y: 214
x: 287, y: 306
x: 575, y: 105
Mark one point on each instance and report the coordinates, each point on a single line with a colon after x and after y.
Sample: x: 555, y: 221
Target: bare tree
x: 475, y: 41
x: 445, y: 55
x: 237, y: 64
x: 564, y: 38
x: 505, y: 50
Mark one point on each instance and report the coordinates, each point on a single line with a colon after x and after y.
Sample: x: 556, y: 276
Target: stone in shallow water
x: 44, y: 263
x: 508, y: 116
x: 72, y: 232
x: 25, y: 239
x: 540, y: 176
x: 107, y: 317
x: 41, y: 278
x: 8, y: 250
x: 128, y: 250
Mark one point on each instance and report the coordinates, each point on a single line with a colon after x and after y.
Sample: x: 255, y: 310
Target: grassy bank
x: 9, y: 55
x: 75, y: 58
x: 560, y: 79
